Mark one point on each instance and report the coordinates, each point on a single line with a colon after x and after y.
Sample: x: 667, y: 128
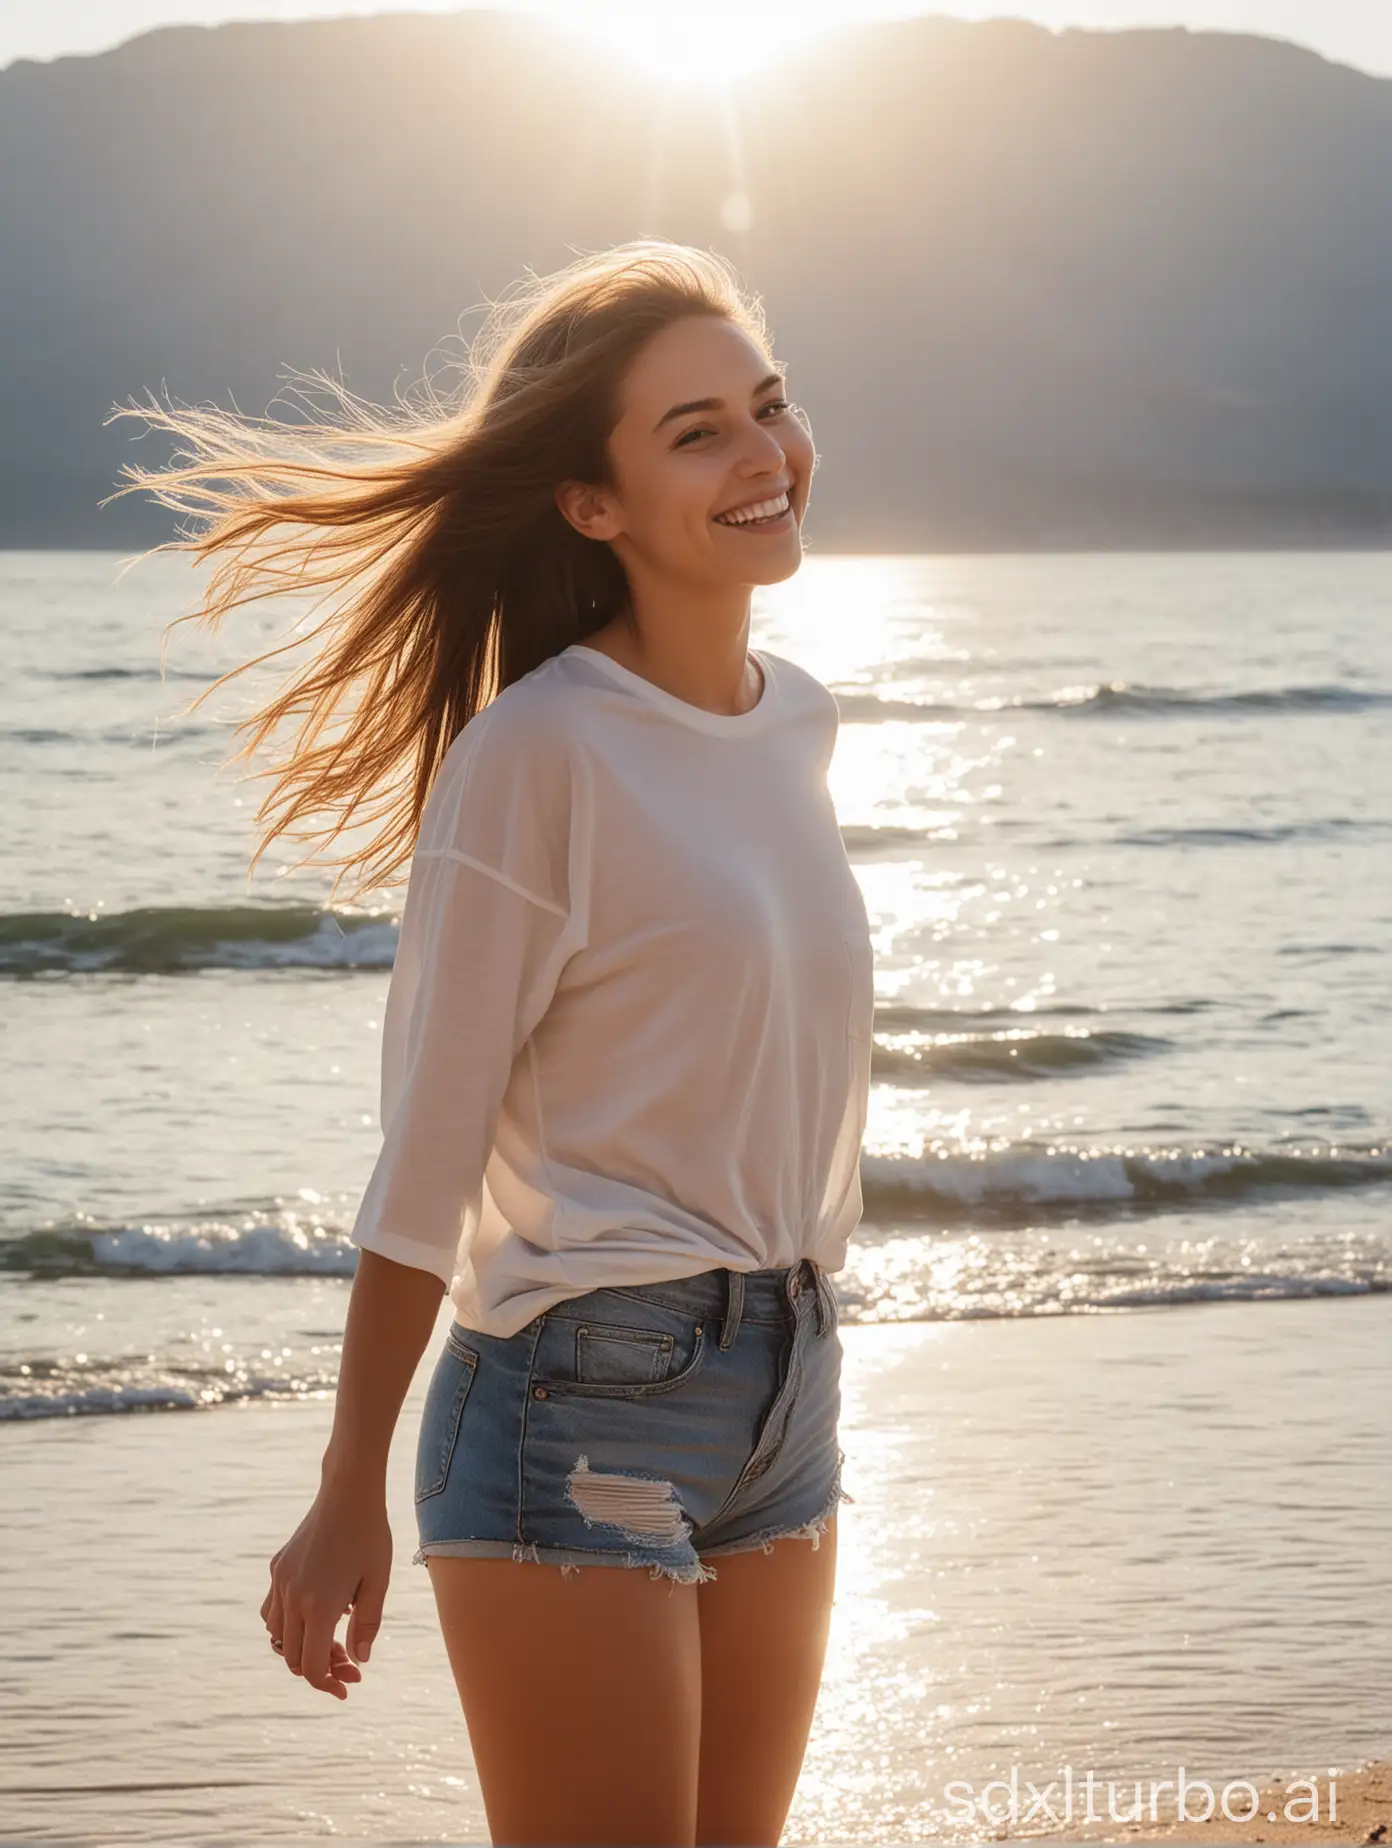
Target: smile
x: 759, y: 515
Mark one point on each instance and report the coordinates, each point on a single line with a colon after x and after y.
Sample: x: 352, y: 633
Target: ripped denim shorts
x: 658, y: 1425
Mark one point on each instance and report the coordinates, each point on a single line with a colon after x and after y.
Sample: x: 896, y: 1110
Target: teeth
x: 760, y: 510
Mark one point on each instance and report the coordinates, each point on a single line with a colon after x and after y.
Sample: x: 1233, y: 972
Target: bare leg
x: 764, y: 1626
x: 582, y: 1695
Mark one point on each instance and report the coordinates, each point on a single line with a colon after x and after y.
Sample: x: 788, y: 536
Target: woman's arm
x: 391, y: 1314
x: 486, y: 928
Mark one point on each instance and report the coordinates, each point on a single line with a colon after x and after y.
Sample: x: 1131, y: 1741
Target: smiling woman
x: 626, y: 1046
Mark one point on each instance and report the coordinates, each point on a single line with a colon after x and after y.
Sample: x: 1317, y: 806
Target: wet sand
x: 1123, y: 1543
x: 1289, y: 1809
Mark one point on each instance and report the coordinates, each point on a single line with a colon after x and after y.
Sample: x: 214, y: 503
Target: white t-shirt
x: 628, y: 1032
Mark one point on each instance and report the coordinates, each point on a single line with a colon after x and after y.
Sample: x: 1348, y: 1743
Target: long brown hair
x: 432, y: 532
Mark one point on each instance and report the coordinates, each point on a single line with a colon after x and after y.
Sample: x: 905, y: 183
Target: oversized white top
x: 628, y: 1032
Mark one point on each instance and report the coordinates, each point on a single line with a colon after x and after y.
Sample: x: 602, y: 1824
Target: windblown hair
x: 432, y: 531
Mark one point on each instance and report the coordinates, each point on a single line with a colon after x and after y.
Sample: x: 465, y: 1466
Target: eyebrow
x: 714, y: 404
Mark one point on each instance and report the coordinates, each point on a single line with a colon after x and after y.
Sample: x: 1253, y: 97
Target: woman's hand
x: 338, y: 1559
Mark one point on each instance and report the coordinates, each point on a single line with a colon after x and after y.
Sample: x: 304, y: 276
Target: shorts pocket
x: 614, y: 1360
x: 454, y: 1375
x: 606, y: 1355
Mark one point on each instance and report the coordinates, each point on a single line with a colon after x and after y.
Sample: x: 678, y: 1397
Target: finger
x: 317, y: 1650
x: 272, y: 1594
x: 273, y: 1611
x: 365, y: 1619
x: 292, y: 1632
x: 343, y: 1665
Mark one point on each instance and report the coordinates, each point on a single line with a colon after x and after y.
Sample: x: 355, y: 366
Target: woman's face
x: 705, y: 427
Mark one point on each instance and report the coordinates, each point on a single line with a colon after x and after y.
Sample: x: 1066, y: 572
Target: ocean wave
x: 173, y: 939
x: 904, y: 1016
x: 272, y: 1240
x: 888, y: 1277
x: 1013, y: 1055
x: 148, y: 672
x: 158, y: 735
x: 867, y: 843
x: 1028, y: 1183
x: 1102, y: 698
x: 1333, y: 827
x: 49, y: 1386
x: 1031, y: 1271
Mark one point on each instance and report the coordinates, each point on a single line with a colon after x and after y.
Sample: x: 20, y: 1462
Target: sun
x: 705, y: 41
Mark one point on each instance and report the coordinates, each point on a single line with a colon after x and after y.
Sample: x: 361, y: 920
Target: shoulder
x: 509, y: 774
x: 800, y: 683
x: 523, y: 734
x: 809, y: 704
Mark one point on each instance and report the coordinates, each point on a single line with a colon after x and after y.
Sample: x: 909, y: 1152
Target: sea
x: 1124, y: 830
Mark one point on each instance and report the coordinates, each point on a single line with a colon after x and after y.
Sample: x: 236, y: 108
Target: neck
x: 691, y: 648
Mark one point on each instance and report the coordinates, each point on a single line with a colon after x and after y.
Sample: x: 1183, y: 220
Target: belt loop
x: 734, y: 1306
x: 824, y: 1306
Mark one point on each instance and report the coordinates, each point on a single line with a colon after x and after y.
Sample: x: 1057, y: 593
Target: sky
x: 686, y: 36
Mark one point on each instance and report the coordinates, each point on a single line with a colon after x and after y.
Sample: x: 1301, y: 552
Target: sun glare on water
x: 703, y: 41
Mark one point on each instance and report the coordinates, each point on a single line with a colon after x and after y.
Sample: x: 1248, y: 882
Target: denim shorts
x: 656, y: 1425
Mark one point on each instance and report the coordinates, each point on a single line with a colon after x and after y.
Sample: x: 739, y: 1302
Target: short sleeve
x: 494, y: 909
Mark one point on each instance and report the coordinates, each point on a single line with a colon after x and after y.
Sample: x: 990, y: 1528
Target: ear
x: 588, y: 509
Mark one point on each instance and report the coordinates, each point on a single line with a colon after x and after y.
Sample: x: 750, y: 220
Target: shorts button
x: 539, y: 1393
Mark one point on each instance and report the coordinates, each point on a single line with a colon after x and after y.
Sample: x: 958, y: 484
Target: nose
x: 763, y: 453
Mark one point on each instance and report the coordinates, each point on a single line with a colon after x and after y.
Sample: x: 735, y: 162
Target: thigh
x: 764, y: 1626
x: 582, y: 1695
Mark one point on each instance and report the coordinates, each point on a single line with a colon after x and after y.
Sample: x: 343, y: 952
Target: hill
x: 1036, y: 290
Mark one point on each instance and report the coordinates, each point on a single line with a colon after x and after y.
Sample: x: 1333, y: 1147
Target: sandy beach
x: 1122, y: 1543
x: 1362, y: 1813
x: 1281, y: 1811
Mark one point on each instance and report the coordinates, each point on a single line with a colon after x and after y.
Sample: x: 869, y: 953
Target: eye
x: 774, y: 404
